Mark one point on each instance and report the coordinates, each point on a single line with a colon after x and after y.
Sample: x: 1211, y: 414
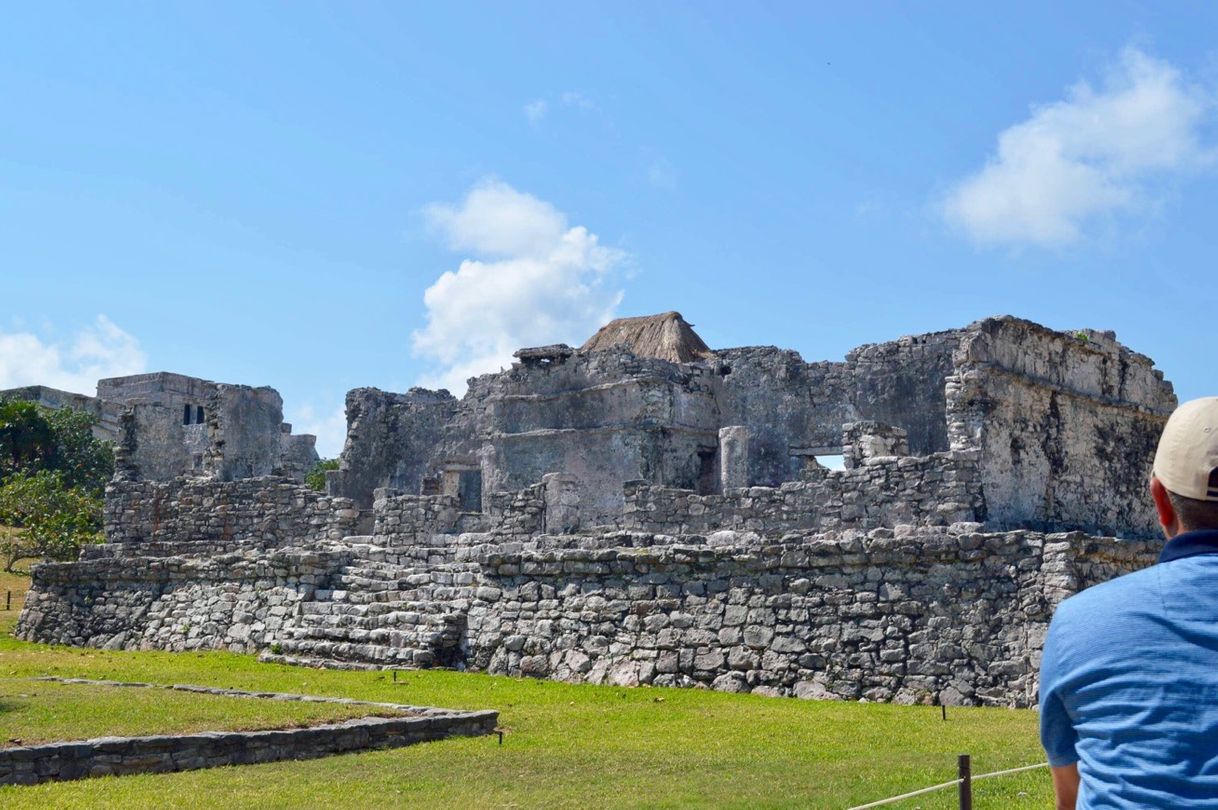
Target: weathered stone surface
x: 604, y: 517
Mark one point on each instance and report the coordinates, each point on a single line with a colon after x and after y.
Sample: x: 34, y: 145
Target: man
x: 1129, y: 681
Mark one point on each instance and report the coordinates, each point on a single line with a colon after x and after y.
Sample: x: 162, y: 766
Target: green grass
x: 17, y: 585
x: 566, y: 746
x: 40, y: 711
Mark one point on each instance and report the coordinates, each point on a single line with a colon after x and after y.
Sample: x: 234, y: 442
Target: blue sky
x: 319, y: 197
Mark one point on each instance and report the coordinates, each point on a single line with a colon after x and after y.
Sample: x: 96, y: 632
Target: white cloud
x: 100, y: 350
x: 661, y: 175
x: 330, y: 427
x: 533, y: 280
x: 574, y: 98
x: 536, y: 110
x: 539, y: 108
x: 1097, y: 152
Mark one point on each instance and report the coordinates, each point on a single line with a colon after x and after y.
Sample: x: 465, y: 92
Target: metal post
x: 943, y: 708
x: 8, y: 600
x: 965, y: 772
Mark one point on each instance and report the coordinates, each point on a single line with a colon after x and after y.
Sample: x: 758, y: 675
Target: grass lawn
x: 40, y: 711
x: 566, y: 746
x: 15, y: 584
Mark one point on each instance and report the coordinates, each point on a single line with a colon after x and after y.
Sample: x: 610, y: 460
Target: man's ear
x: 1163, y: 505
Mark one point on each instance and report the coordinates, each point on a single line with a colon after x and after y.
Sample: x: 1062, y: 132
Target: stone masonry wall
x: 269, y: 510
x: 950, y: 616
x: 1065, y: 424
x: 235, y: 601
x: 915, y: 615
x: 934, y: 490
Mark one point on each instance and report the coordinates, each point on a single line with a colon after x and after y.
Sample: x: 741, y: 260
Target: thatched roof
x: 666, y: 336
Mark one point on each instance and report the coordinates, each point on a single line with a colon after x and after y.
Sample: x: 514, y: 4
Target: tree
x: 34, y: 438
x: 53, y: 472
x: 57, y: 520
x: 316, y: 478
x: 27, y: 440
x: 85, y: 460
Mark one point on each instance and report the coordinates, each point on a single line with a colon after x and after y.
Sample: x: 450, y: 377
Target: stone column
x: 562, y: 503
x: 733, y: 457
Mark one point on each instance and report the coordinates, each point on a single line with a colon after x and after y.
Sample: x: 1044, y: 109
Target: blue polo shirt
x: 1129, y: 683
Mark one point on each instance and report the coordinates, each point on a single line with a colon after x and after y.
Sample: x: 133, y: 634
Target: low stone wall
x: 404, y: 519
x: 935, y: 490
x: 951, y: 616
x: 270, y: 510
x: 395, y: 514
x: 236, y: 601
x: 518, y: 514
x: 162, y: 753
x: 930, y: 614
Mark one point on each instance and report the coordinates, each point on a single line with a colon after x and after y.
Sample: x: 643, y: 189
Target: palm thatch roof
x: 666, y: 336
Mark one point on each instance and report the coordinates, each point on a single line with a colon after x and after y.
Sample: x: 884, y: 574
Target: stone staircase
x: 390, y: 607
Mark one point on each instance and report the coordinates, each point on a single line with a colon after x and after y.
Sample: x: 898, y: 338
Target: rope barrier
x: 933, y: 788
x: 1011, y: 770
x: 892, y: 799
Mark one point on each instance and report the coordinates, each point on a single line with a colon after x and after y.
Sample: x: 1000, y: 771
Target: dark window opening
x: 199, y: 415
x: 469, y: 490
x: 708, y: 479
x: 185, y: 414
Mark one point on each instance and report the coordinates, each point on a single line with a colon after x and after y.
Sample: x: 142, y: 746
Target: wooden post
x: 966, y: 782
x: 8, y: 600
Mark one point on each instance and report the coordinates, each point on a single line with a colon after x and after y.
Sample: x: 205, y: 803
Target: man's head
x: 1185, y: 480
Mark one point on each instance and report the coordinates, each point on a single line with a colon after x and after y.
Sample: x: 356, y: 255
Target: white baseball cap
x: 1187, y: 458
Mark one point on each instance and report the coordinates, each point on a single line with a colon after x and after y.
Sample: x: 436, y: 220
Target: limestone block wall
x: 236, y: 601
x: 270, y: 510
x: 938, y: 489
x: 407, y: 517
x: 932, y: 616
x: 1066, y: 426
x: 914, y: 615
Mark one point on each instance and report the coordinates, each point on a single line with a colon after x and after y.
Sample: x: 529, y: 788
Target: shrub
x: 33, y: 438
x: 57, y: 520
x: 316, y: 479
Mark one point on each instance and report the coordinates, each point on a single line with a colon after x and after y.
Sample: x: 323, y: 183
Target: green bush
x: 57, y: 520
x: 316, y: 479
x: 53, y: 472
x: 33, y: 438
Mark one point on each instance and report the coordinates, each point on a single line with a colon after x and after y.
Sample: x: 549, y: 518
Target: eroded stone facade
x: 597, y: 515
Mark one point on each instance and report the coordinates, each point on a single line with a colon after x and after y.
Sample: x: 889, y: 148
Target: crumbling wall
x: 934, y: 490
x: 950, y: 615
x: 153, y: 444
x: 954, y: 617
x: 602, y: 417
x: 244, y: 432
x: 1065, y: 426
x: 271, y: 511
x: 786, y: 404
x: 238, y: 601
x: 902, y: 383
x: 175, y: 425
x: 298, y: 453
x: 392, y: 441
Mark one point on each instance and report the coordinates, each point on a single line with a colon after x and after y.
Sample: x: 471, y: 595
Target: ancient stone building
x: 167, y: 425
x: 1054, y: 429
x: 644, y: 509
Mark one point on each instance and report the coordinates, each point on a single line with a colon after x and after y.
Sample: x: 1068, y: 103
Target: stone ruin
x: 166, y: 425
x: 644, y: 510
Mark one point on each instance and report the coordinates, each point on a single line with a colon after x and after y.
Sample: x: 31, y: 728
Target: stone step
x: 375, y: 655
